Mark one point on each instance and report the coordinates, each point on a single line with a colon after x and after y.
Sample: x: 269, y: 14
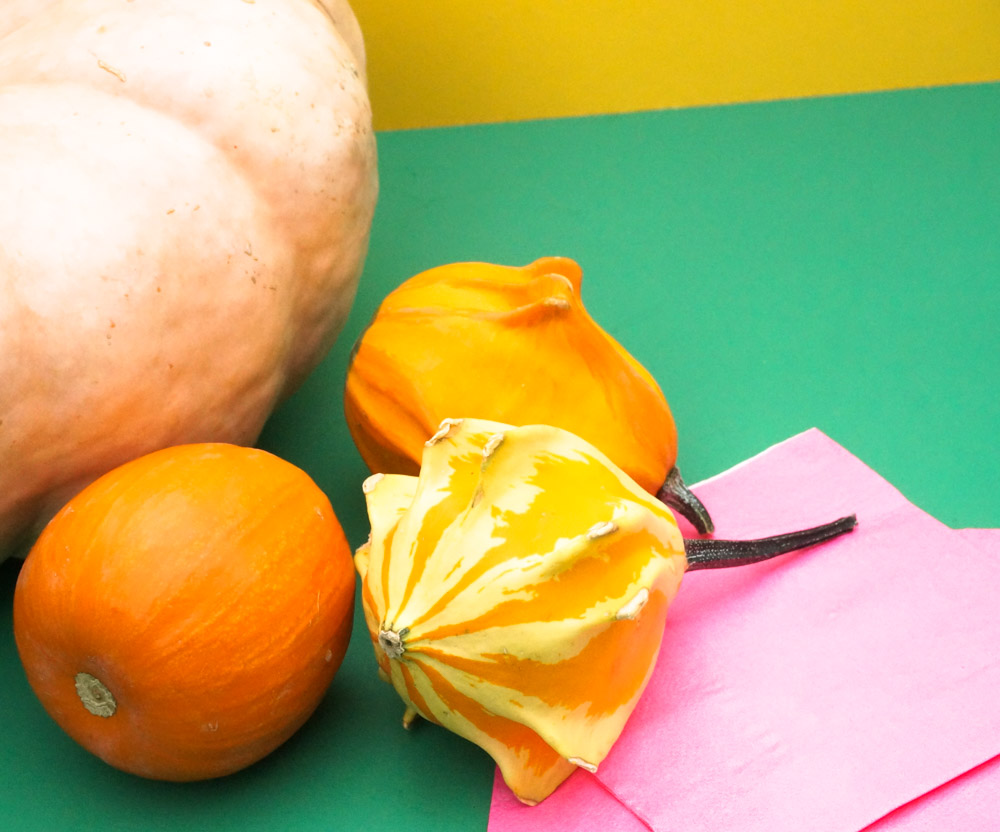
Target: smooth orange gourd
x: 184, y: 615
x: 514, y: 345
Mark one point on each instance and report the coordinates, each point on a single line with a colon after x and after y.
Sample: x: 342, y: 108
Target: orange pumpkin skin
x: 208, y: 589
x: 508, y: 344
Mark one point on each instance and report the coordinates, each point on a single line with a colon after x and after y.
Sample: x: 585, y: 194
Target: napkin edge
x: 772, y: 447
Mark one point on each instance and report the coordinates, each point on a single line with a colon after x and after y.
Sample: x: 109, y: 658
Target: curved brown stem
x: 720, y: 554
x: 679, y: 497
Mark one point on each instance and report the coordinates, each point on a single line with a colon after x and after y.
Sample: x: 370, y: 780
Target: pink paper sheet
x: 852, y: 686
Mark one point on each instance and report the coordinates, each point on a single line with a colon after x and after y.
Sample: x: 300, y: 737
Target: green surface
x: 829, y: 263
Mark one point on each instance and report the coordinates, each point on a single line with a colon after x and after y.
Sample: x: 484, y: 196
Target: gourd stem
x: 95, y: 696
x: 720, y: 554
x: 392, y: 642
x: 679, y: 497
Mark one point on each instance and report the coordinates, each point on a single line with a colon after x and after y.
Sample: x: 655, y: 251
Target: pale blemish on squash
x: 581, y: 763
x: 601, y: 530
x: 630, y: 610
x: 369, y: 484
x: 491, y: 445
x: 113, y: 70
x: 443, y: 430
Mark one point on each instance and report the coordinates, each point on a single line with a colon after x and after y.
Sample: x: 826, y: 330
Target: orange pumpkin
x: 514, y: 345
x: 184, y: 615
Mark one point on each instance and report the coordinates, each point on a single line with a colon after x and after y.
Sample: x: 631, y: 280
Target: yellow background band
x: 442, y: 62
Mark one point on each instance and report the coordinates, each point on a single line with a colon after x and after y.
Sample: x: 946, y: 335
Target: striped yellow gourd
x: 515, y: 593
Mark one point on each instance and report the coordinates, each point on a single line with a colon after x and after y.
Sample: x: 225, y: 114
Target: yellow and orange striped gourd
x: 515, y: 593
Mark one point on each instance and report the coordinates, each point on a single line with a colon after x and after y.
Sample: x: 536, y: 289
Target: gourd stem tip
x: 392, y: 642
x: 720, y: 554
x: 95, y: 695
x: 681, y: 499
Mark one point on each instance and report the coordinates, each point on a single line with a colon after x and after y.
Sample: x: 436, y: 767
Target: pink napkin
x: 846, y: 687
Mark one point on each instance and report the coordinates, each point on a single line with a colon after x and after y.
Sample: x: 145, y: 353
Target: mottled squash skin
x: 515, y: 592
x: 188, y: 189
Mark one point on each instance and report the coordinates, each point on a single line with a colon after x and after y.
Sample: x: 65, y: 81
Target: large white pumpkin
x: 187, y: 193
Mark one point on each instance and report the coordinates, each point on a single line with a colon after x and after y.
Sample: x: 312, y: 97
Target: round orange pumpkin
x: 184, y: 615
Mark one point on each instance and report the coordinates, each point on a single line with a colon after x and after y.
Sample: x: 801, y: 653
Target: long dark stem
x: 676, y: 494
x: 709, y: 553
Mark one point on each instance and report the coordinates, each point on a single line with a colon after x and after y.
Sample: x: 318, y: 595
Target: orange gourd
x: 184, y: 615
x: 515, y: 345
x: 516, y: 591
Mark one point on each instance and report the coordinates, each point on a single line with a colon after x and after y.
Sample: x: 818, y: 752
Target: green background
x: 826, y: 262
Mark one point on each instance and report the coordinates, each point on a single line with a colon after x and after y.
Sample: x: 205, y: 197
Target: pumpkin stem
x: 681, y: 499
x: 719, y: 554
x: 95, y: 696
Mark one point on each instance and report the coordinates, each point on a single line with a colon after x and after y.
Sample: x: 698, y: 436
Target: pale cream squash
x: 187, y: 193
